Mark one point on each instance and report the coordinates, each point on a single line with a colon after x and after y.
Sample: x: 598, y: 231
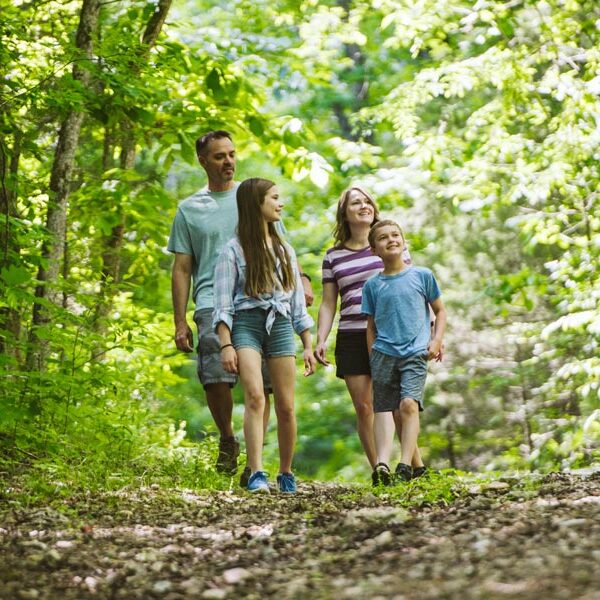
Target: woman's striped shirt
x: 349, y: 269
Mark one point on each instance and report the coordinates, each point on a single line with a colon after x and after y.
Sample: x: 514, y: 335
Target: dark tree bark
x: 60, y: 180
x: 359, y: 89
x: 10, y: 321
x: 113, y: 243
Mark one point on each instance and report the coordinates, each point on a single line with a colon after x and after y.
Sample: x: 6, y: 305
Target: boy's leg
x: 254, y: 404
x: 413, y: 372
x: 283, y: 373
x: 384, y: 436
x: 417, y: 459
x: 409, y: 415
x: 359, y: 387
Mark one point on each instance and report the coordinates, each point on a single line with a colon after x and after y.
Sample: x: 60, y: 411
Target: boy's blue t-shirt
x: 400, y: 306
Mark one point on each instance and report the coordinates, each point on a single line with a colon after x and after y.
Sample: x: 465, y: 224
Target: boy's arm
x: 435, y: 345
x: 371, y: 332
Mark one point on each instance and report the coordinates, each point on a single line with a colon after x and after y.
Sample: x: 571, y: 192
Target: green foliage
x: 473, y: 124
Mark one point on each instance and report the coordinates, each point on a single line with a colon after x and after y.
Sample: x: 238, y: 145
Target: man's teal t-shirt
x: 399, y: 305
x: 204, y: 223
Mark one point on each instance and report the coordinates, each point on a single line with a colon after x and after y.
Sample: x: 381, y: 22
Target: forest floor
x: 510, y: 538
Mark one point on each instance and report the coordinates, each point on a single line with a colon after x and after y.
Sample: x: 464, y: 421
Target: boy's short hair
x: 202, y: 141
x: 380, y: 224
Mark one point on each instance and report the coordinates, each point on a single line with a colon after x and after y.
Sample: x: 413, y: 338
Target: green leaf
x: 13, y: 275
x: 255, y: 125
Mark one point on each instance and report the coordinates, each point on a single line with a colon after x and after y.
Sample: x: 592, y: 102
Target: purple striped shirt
x: 349, y: 270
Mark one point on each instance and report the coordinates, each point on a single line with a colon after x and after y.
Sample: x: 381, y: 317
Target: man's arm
x: 435, y: 345
x: 309, y: 295
x: 180, y: 291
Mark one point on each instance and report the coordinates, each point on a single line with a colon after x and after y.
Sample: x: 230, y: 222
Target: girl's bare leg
x: 254, y: 405
x: 282, y: 370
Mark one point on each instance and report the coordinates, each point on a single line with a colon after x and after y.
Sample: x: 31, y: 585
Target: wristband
x: 226, y: 346
x: 305, y: 275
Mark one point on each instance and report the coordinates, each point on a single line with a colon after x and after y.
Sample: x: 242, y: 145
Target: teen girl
x: 346, y: 268
x: 258, y: 304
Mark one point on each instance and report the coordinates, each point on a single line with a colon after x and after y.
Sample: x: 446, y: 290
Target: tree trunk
x: 10, y: 321
x: 62, y: 168
x: 113, y: 243
x: 360, y: 88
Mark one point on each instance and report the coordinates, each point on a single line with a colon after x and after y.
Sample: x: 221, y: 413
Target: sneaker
x: 403, y: 472
x: 229, y: 450
x: 258, y: 482
x: 245, y: 477
x: 420, y: 472
x: 286, y: 482
x: 381, y: 475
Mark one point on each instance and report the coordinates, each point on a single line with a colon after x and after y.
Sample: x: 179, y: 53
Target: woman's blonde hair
x: 341, y: 230
x: 261, y: 266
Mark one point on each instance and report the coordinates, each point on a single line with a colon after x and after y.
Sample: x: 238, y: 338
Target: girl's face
x: 359, y: 209
x: 271, y: 206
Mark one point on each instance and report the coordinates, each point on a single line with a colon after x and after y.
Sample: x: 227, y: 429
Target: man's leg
x: 359, y: 387
x: 217, y: 387
x: 220, y: 404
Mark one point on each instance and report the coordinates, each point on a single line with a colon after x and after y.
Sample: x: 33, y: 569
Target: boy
x: 396, y: 302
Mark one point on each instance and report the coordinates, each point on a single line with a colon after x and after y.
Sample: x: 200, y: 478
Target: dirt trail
x: 505, y: 540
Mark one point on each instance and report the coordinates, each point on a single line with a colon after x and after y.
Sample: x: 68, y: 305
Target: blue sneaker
x: 258, y: 482
x: 286, y: 483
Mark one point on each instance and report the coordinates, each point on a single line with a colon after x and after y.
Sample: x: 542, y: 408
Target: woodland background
x: 475, y: 124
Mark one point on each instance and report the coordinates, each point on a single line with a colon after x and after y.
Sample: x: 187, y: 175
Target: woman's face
x: 359, y: 209
x: 272, y: 205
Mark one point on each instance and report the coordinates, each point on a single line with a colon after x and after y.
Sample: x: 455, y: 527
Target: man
x: 202, y: 225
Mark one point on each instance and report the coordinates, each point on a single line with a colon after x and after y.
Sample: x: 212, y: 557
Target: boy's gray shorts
x: 395, y: 378
x: 209, y: 366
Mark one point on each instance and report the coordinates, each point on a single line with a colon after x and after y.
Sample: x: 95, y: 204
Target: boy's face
x: 389, y: 242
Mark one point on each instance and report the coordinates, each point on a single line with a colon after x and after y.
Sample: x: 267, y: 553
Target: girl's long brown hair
x: 261, y: 269
x: 341, y: 229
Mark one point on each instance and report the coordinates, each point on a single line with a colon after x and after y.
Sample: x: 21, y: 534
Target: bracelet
x: 226, y: 346
x: 305, y: 275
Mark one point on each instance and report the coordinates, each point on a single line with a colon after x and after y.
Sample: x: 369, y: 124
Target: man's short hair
x: 202, y: 142
x: 380, y: 224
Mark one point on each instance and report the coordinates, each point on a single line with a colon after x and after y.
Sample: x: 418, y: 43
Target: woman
x: 259, y: 302
x: 346, y: 268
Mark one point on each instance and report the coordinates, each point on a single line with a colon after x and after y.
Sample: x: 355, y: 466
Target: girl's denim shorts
x: 249, y: 332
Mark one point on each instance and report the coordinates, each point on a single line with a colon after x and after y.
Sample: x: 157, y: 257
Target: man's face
x: 388, y: 242
x: 218, y: 161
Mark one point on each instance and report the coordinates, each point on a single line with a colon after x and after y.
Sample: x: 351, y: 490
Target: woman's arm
x: 371, y: 332
x: 325, y: 320
x: 309, y: 360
